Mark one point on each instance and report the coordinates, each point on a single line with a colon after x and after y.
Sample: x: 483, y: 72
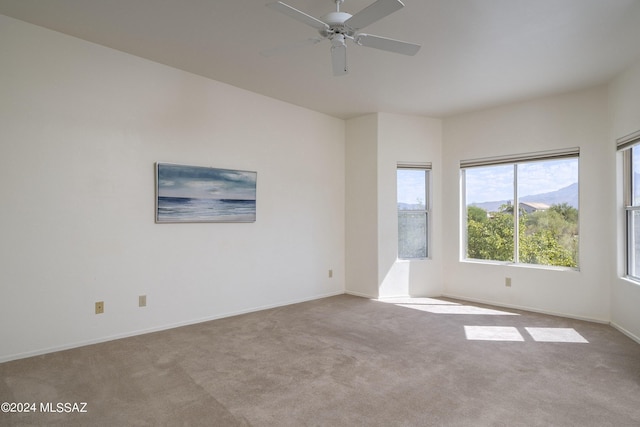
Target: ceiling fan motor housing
x: 336, y: 22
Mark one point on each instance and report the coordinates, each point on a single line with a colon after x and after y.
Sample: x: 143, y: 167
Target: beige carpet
x: 343, y: 361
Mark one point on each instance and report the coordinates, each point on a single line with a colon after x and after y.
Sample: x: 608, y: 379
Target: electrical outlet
x: 507, y: 282
x: 99, y: 307
x: 142, y: 301
x: 330, y: 273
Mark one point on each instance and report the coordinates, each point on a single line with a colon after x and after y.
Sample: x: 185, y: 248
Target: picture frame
x: 187, y: 194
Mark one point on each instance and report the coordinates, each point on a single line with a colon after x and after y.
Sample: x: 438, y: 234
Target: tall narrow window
x: 522, y: 209
x: 413, y: 211
x: 630, y: 147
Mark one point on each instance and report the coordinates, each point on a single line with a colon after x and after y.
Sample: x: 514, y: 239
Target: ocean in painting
x: 201, y: 194
x: 185, y: 209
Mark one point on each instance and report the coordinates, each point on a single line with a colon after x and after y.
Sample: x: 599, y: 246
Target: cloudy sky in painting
x: 205, y: 183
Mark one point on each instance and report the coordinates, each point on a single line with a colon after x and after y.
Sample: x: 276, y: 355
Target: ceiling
x: 475, y: 53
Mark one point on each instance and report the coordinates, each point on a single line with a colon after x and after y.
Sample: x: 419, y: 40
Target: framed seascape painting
x: 204, y: 194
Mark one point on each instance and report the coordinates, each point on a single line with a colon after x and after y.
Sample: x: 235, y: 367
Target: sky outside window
x: 495, y: 183
x: 489, y: 183
x: 635, y: 159
x: 411, y: 186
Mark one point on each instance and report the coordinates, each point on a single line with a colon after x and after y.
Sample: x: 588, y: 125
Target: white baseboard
x: 526, y: 308
x: 70, y: 346
x: 624, y: 331
x: 358, y: 294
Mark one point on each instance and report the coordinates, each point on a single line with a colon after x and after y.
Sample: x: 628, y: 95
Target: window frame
x: 512, y: 160
x: 426, y: 168
x: 626, y: 145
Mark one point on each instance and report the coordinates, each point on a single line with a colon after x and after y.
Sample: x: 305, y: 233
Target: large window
x: 522, y: 209
x: 630, y: 147
x: 413, y: 211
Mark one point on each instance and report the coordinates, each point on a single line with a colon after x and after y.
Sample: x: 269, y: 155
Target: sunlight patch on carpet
x: 556, y: 335
x: 493, y: 333
x: 458, y: 309
x: 437, y: 306
x: 416, y: 301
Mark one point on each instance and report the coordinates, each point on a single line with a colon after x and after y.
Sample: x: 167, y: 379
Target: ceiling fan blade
x: 339, y: 59
x: 298, y: 15
x: 387, y: 44
x: 373, y: 12
x: 292, y: 46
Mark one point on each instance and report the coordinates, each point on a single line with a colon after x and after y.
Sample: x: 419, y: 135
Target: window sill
x: 520, y: 265
x: 632, y: 280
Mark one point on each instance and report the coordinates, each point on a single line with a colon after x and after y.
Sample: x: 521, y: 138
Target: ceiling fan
x: 338, y: 27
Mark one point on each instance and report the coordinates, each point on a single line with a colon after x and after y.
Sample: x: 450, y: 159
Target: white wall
x: 569, y: 120
x: 362, y: 206
x: 624, y: 98
x: 404, y: 139
x: 376, y: 143
x: 80, y: 129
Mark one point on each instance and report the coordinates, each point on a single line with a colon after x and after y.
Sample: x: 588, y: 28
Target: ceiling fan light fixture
x: 338, y: 40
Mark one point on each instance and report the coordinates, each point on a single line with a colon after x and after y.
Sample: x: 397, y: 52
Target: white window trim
x: 521, y: 158
x: 624, y: 145
x: 514, y: 159
x: 426, y: 166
